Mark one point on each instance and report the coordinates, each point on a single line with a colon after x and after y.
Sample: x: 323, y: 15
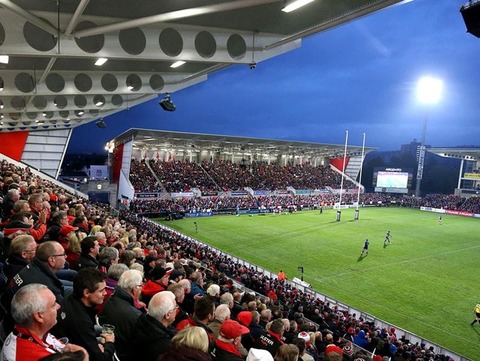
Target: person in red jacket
x: 158, y: 282
x: 22, y: 223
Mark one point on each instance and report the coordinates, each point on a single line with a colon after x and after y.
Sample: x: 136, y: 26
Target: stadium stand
x: 324, y: 320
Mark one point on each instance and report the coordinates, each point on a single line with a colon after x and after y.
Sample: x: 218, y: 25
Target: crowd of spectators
x: 221, y: 175
x: 158, y: 282
x: 142, y: 179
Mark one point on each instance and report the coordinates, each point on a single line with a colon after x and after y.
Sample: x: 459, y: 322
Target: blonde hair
x: 193, y: 337
x: 74, y: 243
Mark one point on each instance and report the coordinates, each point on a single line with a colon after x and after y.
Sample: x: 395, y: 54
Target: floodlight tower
x: 429, y: 91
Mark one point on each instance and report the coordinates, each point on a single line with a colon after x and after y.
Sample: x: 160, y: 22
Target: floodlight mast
x: 429, y: 91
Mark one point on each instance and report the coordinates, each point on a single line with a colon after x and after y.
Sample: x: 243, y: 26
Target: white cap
x: 256, y: 354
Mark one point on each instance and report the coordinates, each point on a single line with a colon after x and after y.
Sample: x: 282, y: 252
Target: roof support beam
x: 171, y: 16
x: 78, y: 12
x: 29, y: 17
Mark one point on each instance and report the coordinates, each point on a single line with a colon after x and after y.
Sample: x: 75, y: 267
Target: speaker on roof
x: 101, y: 124
x: 471, y: 16
x: 167, y: 104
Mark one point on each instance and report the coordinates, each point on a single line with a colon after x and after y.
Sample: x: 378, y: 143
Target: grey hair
x: 26, y: 302
x: 226, y: 298
x: 116, y: 270
x: 213, y: 290
x: 160, y: 304
x: 130, y: 279
x: 107, y: 255
x: 222, y: 313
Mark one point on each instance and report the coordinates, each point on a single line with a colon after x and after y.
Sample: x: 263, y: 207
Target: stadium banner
x: 471, y: 176
x: 320, y: 191
x: 435, y: 210
x: 459, y: 213
x: 281, y: 192
x: 182, y: 195
x: 146, y: 195
x: 476, y: 215
x: 238, y: 193
x: 391, y: 190
x: 209, y: 194
x: 342, y: 206
x: 303, y: 192
x: 198, y: 214
x: 260, y: 193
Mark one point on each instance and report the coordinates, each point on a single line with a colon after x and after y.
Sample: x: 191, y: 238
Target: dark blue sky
x: 359, y: 77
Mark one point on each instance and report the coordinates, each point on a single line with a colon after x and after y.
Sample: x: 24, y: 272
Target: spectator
x: 120, y: 310
x: 107, y: 257
x: 22, y: 251
x: 203, y: 314
x: 152, y: 332
x: 287, y: 353
x: 271, y: 340
x: 255, y: 354
x: 222, y: 313
x: 34, y: 310
x: 158, y: 282
x: 90, y: 250
x: 228, y: 342
x: 190, y: 344
x: 79, y: 322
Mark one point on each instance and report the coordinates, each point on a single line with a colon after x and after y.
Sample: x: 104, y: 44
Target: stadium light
x: 429, y: 91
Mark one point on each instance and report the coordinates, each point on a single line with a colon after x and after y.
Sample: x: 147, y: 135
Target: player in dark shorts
x: 387, y: 239
x: 365, y: 249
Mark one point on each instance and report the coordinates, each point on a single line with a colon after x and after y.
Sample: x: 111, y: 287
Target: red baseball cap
x: 65, y: 230
x: 231, y: 329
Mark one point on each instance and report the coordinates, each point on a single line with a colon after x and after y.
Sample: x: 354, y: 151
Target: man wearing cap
x: 158, y: 282
x: 228, y: 341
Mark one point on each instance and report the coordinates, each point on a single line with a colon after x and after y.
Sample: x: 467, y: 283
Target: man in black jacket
x: 22, y: 251
x: 90, y: 251
x: 152, y: 333
x: 120, y: 311
x: 78, y: 322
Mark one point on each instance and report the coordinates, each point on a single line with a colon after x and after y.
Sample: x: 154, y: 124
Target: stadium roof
x: 51, y: 80
x: 157, y: 140
x: 460, y: 153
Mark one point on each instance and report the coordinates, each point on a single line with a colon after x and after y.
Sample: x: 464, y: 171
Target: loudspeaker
x: 471, y: 16
x: 167, y: 105
x: 101, y: 124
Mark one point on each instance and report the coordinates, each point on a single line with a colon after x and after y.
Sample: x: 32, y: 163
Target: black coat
x: 86, y: 260
x: 150, y: 338
x: 120, y: 311
x: 13, y: 265
x: 78, y: 324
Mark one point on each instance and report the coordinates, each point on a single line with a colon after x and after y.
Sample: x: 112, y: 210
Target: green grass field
x: 425, y: 281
